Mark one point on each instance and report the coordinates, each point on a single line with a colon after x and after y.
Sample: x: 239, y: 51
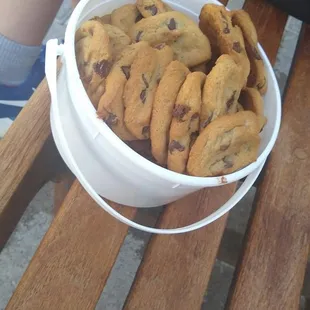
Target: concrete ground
x: 24, y: 241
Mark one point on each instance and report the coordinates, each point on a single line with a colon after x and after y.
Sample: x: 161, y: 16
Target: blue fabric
x: 23, y: 91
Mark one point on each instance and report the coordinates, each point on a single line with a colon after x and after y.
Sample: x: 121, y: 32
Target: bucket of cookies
x: 156, y: 100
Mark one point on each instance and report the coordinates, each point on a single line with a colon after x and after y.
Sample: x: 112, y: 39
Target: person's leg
x: 27, y: 21
x: 23, y: 25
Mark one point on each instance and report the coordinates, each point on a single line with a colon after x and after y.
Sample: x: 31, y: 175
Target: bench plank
x: 74, y: 259
x: 272, y: 269
x: 175, y: 270
x: 28, y: 159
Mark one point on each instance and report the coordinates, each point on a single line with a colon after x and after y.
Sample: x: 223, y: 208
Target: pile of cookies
x: 193, y: 92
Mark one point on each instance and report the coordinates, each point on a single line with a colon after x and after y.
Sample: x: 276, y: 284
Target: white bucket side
x: 60, y: 125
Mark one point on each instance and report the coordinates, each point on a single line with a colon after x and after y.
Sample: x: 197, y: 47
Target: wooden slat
x: 74, y: 260
x: 175, y: 270
x: 271, y: 271
x: 28, y: 158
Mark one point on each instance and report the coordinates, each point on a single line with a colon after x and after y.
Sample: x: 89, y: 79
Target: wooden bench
x: 70, y: 268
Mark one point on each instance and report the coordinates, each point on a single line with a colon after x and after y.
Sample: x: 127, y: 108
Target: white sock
x: 16, y: 61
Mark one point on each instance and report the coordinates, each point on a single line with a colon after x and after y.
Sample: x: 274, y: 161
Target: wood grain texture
x: 74, y: 260
x: 271, y: 271
x: 176, y: 269
x: 28, y: 158
x: 269, y: 22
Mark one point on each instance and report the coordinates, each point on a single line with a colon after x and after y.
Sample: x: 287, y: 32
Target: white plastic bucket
x: 108, y: 167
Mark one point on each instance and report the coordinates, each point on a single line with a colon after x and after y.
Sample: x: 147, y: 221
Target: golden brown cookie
x: 221, y: 90
x: 215, y: 22
x: 251, y: 100
x: 185, y: 121
x: 189, y: 44
x: 140, y: 91
x: 125, y: 17
x: 118, y: 39
x: 229, y: 143
x: 149, y: 8
x: 111, y: 105
x: 164, y: 56
x: 106, y: 19
x: 258, y: 76
x: 94, y: 57
x: 163, y: 104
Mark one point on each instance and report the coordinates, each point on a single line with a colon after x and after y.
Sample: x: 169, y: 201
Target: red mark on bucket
x: 223, y: 180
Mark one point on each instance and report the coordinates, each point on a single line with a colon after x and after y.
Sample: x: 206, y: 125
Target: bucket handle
x: 52, y: 51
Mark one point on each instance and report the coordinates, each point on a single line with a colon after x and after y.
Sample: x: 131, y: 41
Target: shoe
x: 13, y: 98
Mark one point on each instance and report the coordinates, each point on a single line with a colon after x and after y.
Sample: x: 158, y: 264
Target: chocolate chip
x: 224, y: 147
x: 231, y: 100
x: 138, y: 37
x: 207, y: 121
x: 160, y: 46
x: 111, y: 119
x: 146, y: 83
x: 195, y: 116
x: 126, y: 71
x: 138, y: 18
x: 237, y: 47
x: 151, y: 8
x: 228, y: 163
x: 175, y: 145
x: 143, y: 96
x: 172, y: 24
x: 256, y: 54
x: 180, y: 110
x: 102, y: 68
x: 146, y: 131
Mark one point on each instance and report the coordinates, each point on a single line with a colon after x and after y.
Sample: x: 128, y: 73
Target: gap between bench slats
x: 272, y: 268
x: 75, y: 257
x: 175, y: 270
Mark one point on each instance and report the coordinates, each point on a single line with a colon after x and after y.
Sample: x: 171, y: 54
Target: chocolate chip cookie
x: 163, y: 104
x: 215, y: 22
x: 251, y: 100
x: 164, y: 57
x: 229, y: 143
x: 185, y: 121
x: 125, y: 17
x: 258, y: 76
x: 118, y: 39
x: 189, y: 44
x: 149, y: 8
x: 94, y: 57
x: 111, y: 105
x: 221, y: 90
x: 140, y: 91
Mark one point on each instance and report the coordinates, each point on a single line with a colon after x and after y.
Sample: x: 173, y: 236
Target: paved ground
x: 36, y: 220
